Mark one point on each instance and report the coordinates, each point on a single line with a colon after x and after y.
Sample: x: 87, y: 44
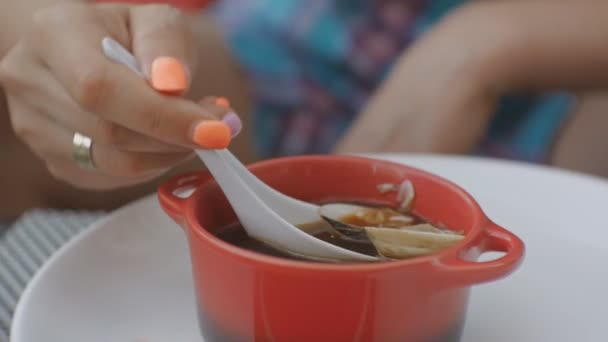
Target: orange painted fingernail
x: 222, y: 101
x: 169, y: 75
x: 213, y: 135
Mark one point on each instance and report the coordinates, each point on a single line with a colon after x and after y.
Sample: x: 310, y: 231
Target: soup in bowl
x: 249, y: 291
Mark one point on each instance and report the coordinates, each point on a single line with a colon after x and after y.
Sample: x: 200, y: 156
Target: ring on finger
x: 82, y: 151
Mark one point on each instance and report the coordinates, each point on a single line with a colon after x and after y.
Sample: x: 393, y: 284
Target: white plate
x: 128, y: 277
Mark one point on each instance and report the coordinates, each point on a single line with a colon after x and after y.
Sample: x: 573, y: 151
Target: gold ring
x: 81, y: 151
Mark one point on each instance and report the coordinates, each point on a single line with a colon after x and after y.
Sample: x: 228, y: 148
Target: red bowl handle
x: 172, y: 204
x: 462, y: 272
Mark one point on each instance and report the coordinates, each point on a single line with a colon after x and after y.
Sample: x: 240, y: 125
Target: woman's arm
x: 442, y: 92
x: 547, y: 44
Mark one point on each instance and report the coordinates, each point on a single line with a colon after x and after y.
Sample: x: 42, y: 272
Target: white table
x: 557, y: 295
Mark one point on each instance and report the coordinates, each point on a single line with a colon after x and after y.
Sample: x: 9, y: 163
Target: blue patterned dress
x: 314, y: 64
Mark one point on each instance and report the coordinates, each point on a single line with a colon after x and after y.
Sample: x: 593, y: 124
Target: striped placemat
x: 26, y: 245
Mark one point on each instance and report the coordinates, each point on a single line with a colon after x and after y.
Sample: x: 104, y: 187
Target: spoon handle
x: 116, y: 52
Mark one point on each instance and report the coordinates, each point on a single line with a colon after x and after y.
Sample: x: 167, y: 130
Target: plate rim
x: 24, y: 298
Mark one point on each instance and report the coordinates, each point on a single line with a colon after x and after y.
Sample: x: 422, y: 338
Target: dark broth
x: 236, y: 235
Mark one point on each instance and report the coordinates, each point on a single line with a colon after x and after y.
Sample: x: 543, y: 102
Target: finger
x: 11, y: 70
x: 220, y: 107
x: 105, y: 88
x: 21, y: 126
x: 49, y: 98
x: 213, y: 105
x: 135, y: 164
x: 51, y: 141
x: 89, y: 179
x: 161, y: 33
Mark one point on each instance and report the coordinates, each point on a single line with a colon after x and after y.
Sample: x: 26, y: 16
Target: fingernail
x: 212, y: 135
x: 234, y: 123
x: 222, y: 101
x: 169, y: 75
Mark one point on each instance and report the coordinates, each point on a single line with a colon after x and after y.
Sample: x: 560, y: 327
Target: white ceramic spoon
x: 265, y: 213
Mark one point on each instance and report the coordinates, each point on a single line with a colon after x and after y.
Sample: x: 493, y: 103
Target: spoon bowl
x: 269, y: 215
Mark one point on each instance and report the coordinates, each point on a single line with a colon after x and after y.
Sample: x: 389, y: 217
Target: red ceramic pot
x: 246, y: 296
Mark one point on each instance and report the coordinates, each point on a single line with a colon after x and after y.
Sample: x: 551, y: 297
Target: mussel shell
x: 406, y: 241
x: 403, y: 243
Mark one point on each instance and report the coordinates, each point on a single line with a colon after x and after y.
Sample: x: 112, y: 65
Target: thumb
x: 163, y: 43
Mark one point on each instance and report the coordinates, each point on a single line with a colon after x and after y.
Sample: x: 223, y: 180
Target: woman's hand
x: 441, y: 93
x: 58, y: 82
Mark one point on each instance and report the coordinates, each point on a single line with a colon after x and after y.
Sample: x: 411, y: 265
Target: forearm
x: 546, y: 44
x: 15, y: 18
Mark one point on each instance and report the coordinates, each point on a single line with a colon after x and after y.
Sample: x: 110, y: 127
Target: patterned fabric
x: 314, y: 64
x: 26, y: 245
